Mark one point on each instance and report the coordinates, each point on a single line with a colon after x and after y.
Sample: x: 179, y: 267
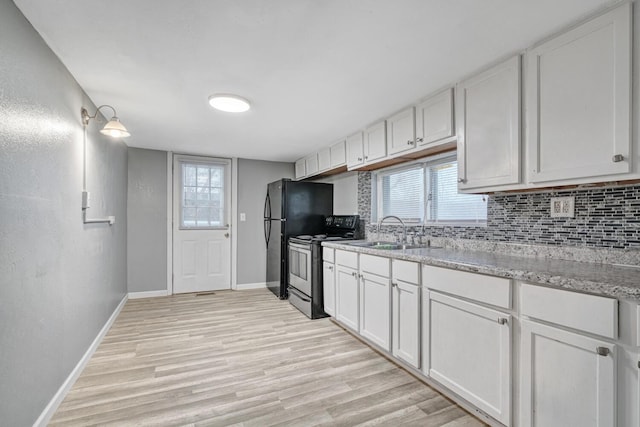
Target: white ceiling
x: 314, y: 70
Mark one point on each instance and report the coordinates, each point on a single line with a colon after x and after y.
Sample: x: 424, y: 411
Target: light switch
x: 243, y: 216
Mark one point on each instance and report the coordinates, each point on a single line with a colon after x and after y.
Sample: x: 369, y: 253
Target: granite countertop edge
x: 594, y: 278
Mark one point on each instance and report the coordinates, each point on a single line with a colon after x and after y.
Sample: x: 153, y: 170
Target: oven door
x: 300, y: 267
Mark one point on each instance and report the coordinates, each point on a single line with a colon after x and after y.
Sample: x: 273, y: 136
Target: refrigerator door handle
x: 267, y: 207
x: 267, y: 231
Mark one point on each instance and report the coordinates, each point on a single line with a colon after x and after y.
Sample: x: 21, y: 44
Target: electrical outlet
x: 243, y: 216
x: 563, y: 207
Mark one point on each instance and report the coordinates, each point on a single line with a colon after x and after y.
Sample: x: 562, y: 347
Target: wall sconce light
x: 113, y: 127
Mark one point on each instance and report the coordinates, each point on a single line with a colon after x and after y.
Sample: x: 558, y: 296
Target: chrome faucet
x: 404, y: 227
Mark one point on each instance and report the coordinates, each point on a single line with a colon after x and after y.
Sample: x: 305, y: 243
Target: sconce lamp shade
x: 115, y: 129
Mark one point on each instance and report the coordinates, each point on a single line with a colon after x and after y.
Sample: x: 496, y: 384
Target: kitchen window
x: 426, y: 192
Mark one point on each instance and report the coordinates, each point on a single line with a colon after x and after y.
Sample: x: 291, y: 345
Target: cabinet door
x: 347, y: 297
x: 355, y: 153
x: 338, y: 154
x: 488, y: 118
x: 311, y: 164
x: 324, y: 159
x: 566, y: 379
x: 375, y: 142
x: 329, y: 288
x: 470, y: 353
x: 300, y: 169
x: 375, y: 309
x: 579, y: 100
x: 401, y: 131
x: 406, y: 322
x: 434, y: 118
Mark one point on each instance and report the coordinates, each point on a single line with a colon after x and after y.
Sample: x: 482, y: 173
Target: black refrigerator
x: 291, y: 208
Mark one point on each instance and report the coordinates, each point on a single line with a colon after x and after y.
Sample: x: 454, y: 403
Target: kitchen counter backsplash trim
x: 625, y: 257
x: 598, y: 278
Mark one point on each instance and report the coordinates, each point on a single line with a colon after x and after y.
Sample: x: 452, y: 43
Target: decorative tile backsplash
x: 604, y: 217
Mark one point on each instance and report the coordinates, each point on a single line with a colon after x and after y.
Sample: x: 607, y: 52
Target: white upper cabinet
x: 579, y: 101
x: 324, y: 159
x: 488, y: 120
x: 375, y: 142
x: 311, y: 164
x: 355, y: 153
x: 338, y: 154
x: 401, y: 131
x: 300, y: 169
x: 434, y: 118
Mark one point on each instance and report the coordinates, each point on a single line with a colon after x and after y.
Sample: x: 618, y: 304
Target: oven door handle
x: 302, y: 248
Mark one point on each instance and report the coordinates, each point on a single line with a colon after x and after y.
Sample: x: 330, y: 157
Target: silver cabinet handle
x: 393, y: 285
x: 366, y: 157
x: 359, y: 159
x: 420, y: 139
x: 617, y: 158
x: 461, y: 180
x: 409, y: 142
x: 331, y: 267
x: 226, y: 234
x: 603, y: 351
x: 354, y: 274
x: 502, y: 321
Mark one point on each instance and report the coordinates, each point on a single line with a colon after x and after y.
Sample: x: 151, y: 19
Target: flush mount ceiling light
x: 113, y: 127
x: 229, y: 103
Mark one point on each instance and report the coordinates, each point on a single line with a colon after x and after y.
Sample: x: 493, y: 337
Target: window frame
x: 426, y: 163
x: 226, y: 188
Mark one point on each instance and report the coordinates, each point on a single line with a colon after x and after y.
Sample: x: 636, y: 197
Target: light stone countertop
x: 598, y: 278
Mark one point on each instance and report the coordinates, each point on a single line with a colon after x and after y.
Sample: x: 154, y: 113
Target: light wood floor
x: 246, y: 359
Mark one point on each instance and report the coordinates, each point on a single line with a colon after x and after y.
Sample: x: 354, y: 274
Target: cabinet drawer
x: 375, y: 265
x: 406, y: 271
x: 346, y: 258
x: 328, y: 255
x: 487, y: 289
x: 589, y: 313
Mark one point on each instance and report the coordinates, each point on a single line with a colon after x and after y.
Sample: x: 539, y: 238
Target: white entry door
x: 201, y: 212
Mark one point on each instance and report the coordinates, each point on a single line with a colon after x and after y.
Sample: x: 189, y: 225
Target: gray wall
x: 253, y: 177
x: 345, y: 192
x: 59, y: 279
x: 147, y: 220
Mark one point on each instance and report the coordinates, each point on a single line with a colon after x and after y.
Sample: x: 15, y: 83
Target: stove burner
x: 304, y: 237
x: 320, y: 236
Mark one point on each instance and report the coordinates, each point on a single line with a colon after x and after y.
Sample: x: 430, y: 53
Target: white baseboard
x: 57, y: 399
x: 244, y: 286
x: 148, y: 294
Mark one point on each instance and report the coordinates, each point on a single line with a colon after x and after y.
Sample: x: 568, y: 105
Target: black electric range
x: 305, y: 263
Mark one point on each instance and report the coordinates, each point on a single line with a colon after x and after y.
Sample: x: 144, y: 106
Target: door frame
x: 233, y: 227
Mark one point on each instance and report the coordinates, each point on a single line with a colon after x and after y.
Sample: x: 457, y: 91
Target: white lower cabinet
x: 347, y: 296
x: 406, y: 322
x: 329, y: 288
x: 566, y: 379
x: 375, y: 306
x: 469, y: 352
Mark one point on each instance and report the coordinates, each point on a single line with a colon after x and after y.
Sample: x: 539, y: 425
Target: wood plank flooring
x: 243, y: 358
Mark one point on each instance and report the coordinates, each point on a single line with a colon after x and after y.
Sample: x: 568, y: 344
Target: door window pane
x: 202, y: 200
